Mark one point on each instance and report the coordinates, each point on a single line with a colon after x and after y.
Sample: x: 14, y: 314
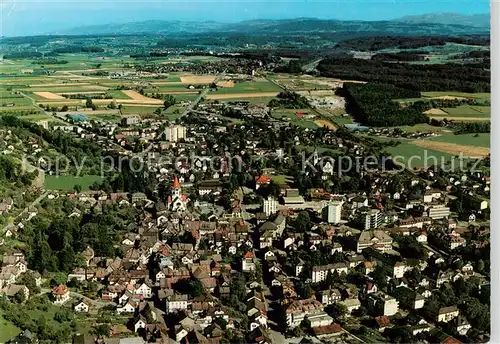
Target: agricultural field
x: 67, y: 183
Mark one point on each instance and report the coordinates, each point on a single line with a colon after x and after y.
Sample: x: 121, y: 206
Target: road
x: 95, y: 303
x: 311, y: 66
x: 34, y: 203
x: 202, y: 94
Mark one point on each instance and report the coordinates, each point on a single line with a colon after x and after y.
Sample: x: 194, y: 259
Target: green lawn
x: 468, y: 111
x: 481, y: 140
x: 67, y: 183
x: 421, y: 127
x: 117, y: 94
x: 7, y: 329
x: 342, y: 120
x: 185, y: 97
x: 251, y: 100
x: 141, y: 110
x: 479, y: 96
x: 414, y: 156
x: 290, y: 115
x: 249, y: 87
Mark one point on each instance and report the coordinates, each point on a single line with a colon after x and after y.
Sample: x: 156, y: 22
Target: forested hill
x: 337, y: 28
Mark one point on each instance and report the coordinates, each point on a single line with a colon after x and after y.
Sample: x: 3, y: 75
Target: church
x: 177, y: 201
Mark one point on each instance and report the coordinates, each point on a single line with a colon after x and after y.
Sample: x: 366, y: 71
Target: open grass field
x: 452, y: 148
x: 7, y: 329
x: 421, y: 127
x: 468, y: 111
x: 67, y: 183
x: 290, y: 115
x: 131, y: 109
x: 413, y: 156
x: 251, y: 100
x: 478, y: 96
x: 249, y: 87
x: 216, y: 95
x: 481, y: 140
x: 117, y: 94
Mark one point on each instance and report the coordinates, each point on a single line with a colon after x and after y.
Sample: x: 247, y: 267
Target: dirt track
x: 438, y: 112
x: 197, y: 79
x: 241, y: 95
x: 322, y: 123
x: 49, y: 95
x: 136, y: 95
x: 452, y: 148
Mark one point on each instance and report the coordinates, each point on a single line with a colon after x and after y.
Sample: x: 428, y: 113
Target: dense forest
x: 375, y: 43
x: 429, y: 77
x: 372, y: 104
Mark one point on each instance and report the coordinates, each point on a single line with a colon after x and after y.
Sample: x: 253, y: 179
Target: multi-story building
x: 333, y: 212
x: 439, y: 212
x: 175, y: 133
x: 371, y: 219
x: 384, y: 304
x: 446, y: 314
x: 176, y: 303
x: 320, y: 272
x: 270, y: 206
x: 377, y: 239
x: 330, y: 296
x: 298, y: 310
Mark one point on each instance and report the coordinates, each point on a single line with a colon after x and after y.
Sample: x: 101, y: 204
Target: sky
x: 28, y: 17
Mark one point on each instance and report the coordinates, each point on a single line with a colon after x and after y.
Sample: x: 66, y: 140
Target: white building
x: 439, y: 212
x: 333, y: 212
x: 446, y: 314
x: 82, y: 307
x: 176, y: 302
x: 270, y: 206
x: 175, y: 133
x: 298, y: 310
x: 320, y: 272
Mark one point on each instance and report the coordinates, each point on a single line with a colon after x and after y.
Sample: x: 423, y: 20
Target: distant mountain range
x: 430, y: 24
x: 475, y: 20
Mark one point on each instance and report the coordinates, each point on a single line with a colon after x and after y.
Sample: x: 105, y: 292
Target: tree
x: 101, y: 331
x: 168, y: 101
x: 302, y: 222
x: 19, y: 296
x: 77, y: 188
x: 89, y: 103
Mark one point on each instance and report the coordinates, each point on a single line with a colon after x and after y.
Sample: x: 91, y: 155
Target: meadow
x: 67, y: 183
x: 290, y: 115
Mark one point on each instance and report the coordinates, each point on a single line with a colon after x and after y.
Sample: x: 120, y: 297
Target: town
x: 244, y: 207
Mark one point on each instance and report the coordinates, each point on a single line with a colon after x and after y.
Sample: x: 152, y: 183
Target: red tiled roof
x: 176, y: 184
x: 262, y: 180
x: 61, y: 289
